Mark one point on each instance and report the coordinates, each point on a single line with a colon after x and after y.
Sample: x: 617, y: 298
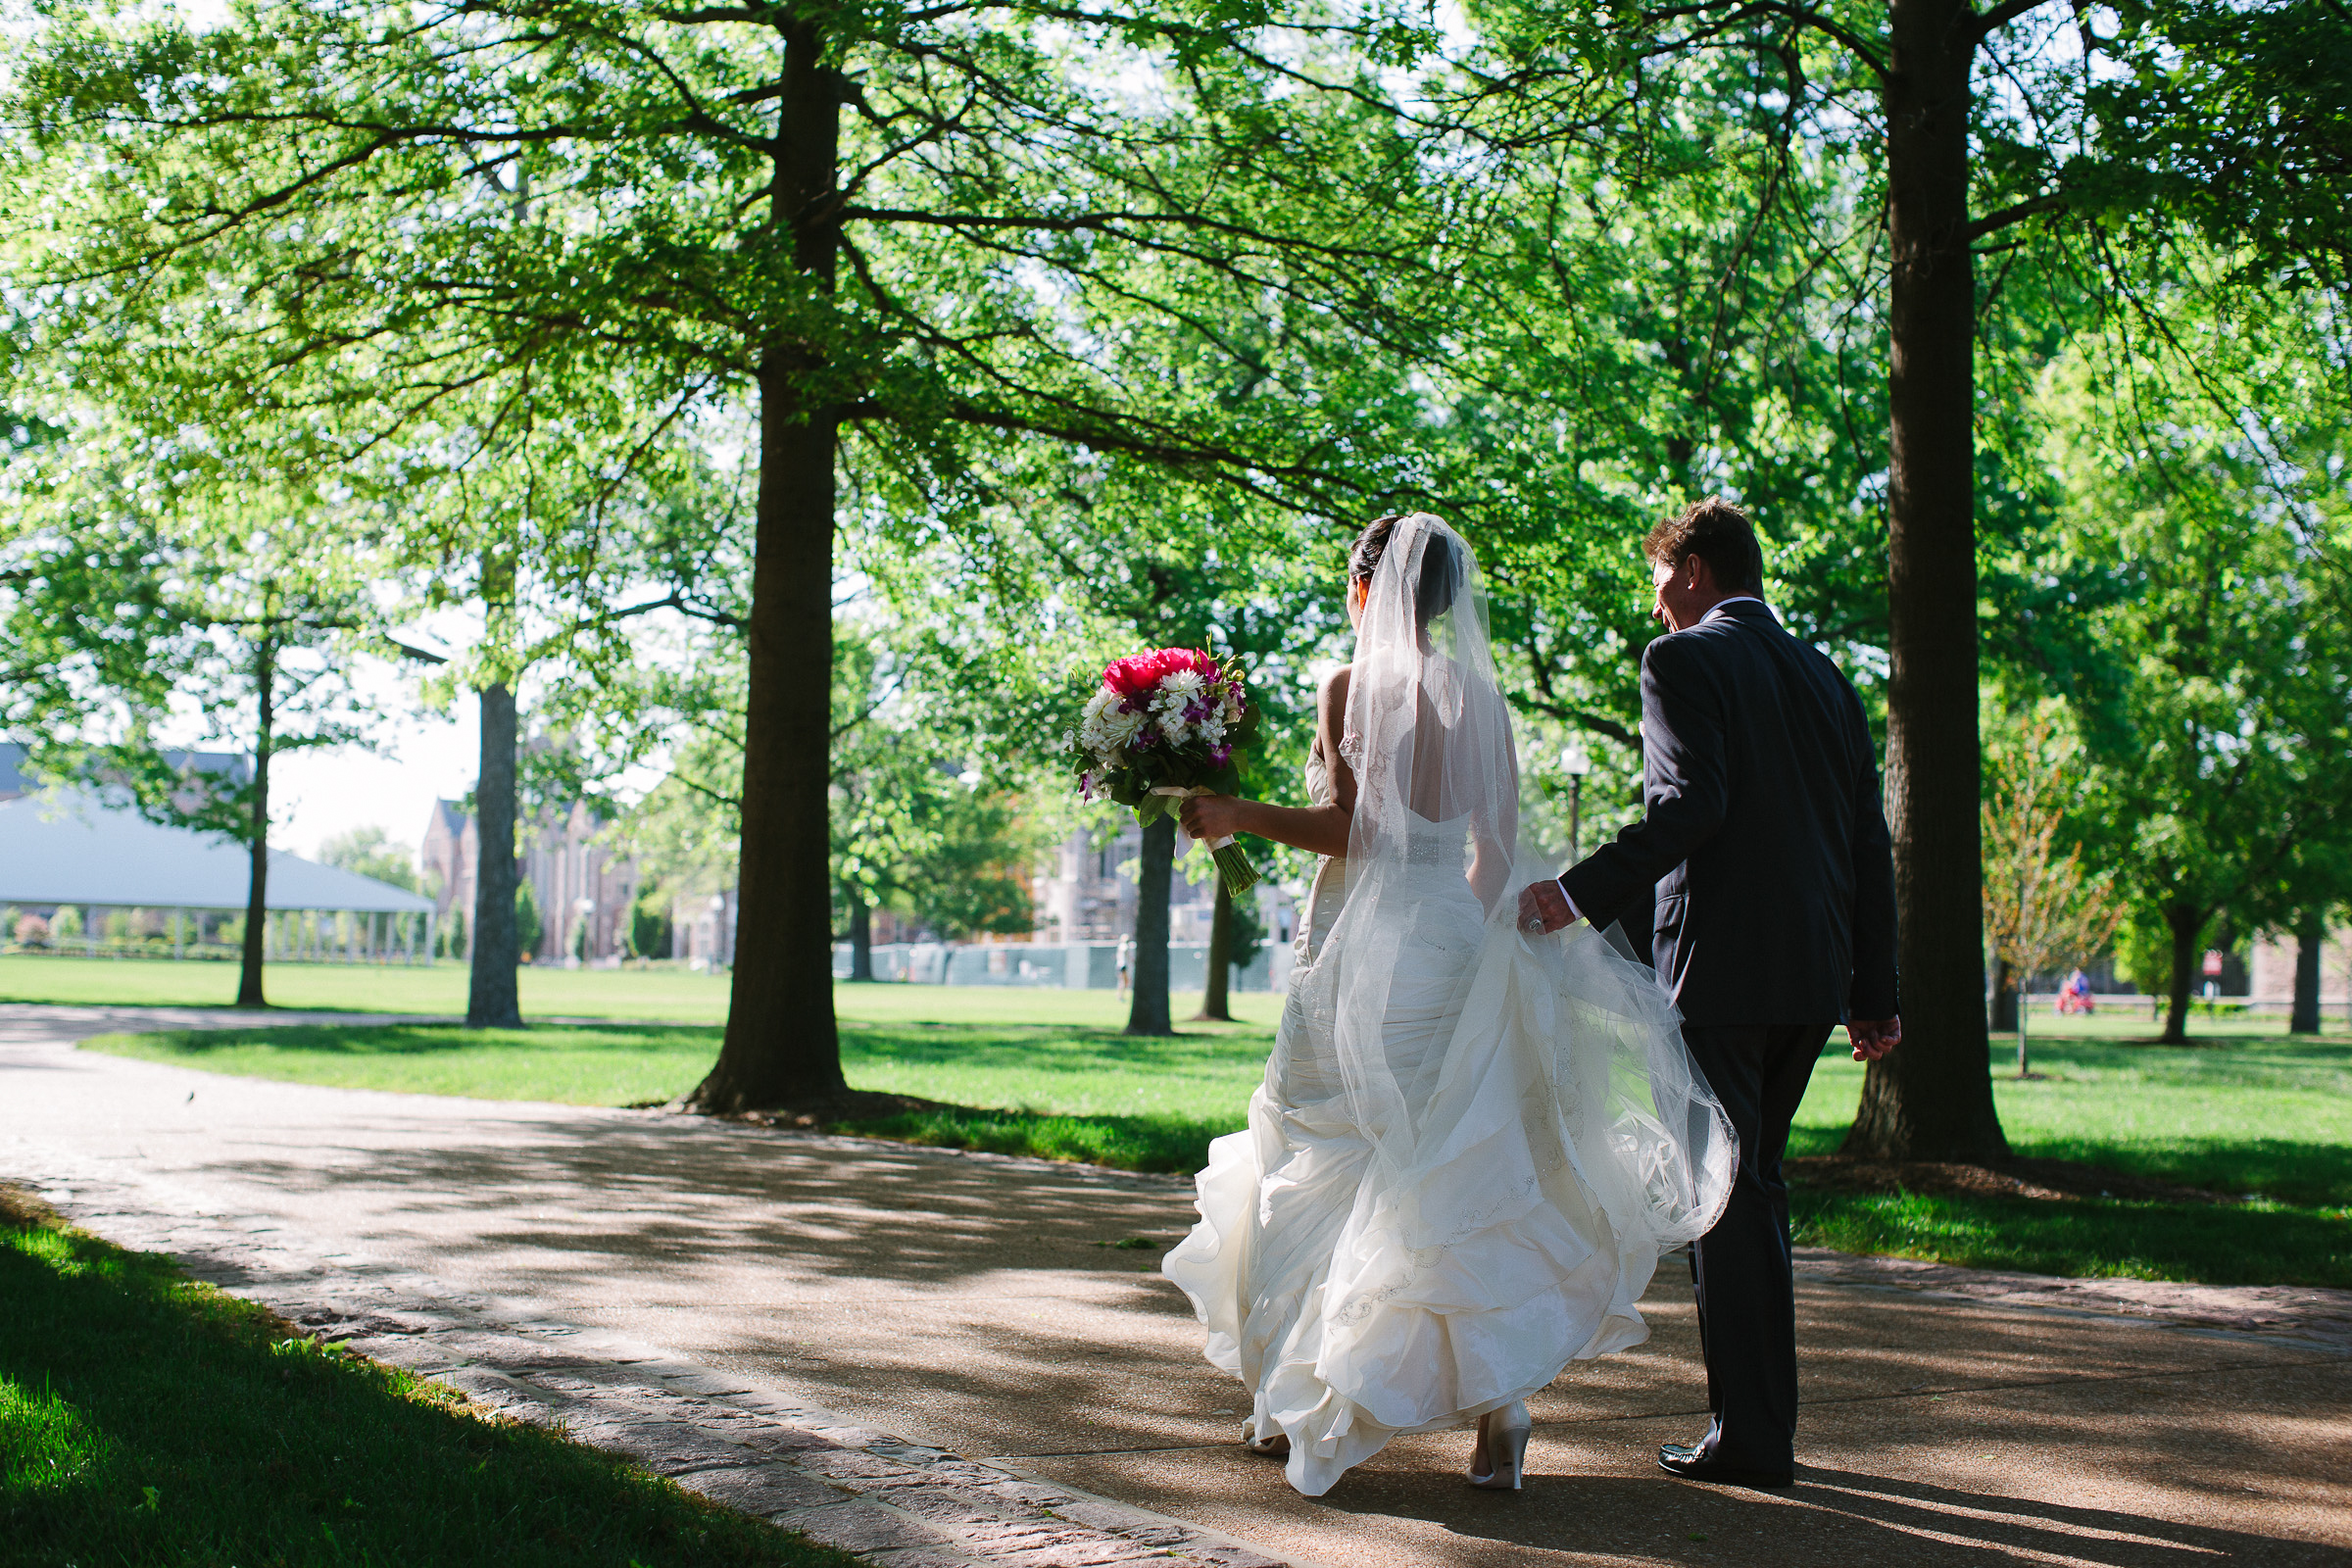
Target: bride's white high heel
x: 1507, y: 1430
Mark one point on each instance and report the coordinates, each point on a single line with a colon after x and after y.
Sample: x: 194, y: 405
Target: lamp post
x: 1576, y: 762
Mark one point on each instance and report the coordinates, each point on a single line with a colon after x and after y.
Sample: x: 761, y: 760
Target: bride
x: 1472, y: 1142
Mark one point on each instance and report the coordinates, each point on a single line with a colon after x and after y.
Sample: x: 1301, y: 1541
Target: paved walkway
x: 949, y: 1344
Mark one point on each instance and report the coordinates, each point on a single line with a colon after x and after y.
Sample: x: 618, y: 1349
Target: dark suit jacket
x: 1763, y: 832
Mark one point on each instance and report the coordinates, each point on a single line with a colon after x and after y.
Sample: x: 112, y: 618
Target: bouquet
x: 1164, y: 727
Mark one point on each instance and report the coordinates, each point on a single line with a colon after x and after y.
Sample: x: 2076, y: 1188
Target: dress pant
x: 1741, y: 1270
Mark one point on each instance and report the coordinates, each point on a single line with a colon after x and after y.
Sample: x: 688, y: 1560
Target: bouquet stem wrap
x: 1232, y: 864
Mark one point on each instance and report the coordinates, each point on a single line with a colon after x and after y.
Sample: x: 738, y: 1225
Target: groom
x: 1764, y: 847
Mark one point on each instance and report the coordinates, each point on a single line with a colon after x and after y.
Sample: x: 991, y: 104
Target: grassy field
x: 2246, y: 1112
x: 145, y: 1419
x: 548, y: 993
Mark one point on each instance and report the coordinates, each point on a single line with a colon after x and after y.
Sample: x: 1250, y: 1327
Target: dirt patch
x: 2050, y: 1180
x: 22, y: 1208
x: 854, y: 1105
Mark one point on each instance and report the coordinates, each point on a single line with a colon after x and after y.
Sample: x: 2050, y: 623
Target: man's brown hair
x: 1717, y: 534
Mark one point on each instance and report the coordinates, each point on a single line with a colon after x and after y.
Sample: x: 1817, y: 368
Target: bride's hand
x: 1211, y: 816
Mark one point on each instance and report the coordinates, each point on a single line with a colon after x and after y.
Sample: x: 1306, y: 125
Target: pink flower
x: 1139, y: 674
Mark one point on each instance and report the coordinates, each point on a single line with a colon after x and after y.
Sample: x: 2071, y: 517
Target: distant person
x: 1472, y: 1145
x: 1762, y: 864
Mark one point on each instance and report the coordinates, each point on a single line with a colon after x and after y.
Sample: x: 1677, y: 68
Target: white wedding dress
x: 1472, y: 1145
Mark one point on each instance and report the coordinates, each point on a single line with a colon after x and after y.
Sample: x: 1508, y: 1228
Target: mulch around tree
x: 2050, y: 1180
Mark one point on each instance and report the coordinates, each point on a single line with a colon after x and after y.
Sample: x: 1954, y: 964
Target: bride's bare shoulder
x: 1331, y: 701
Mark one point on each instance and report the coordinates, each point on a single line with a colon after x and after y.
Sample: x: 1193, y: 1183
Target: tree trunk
x: 862, y: 939
x: 781, y: 1045
x: 257, y: 882
x: 2004, y: 1000
x: 2186, y: 924
x: 2310, y: 933
x: 1147, y: 1003
x: 492, y: 1001
x: 1932, y: 1098
x: 1216, y: 1002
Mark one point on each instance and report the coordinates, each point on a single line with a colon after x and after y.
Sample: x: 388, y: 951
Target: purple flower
x: 1218, y: 752
x: 1086, y: 786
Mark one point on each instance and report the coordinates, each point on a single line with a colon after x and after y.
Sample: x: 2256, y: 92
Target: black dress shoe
x: 1694, y: 1463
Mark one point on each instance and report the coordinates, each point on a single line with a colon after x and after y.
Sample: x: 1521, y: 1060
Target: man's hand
x: 1211, y: 816
x: 1873, y: 1038
x: 1542, y: 907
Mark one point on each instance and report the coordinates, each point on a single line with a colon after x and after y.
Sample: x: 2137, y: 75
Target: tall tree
x: 2226, y: 756
x: 2064, y: 145
x: 134, y: 610
x: 904, y: 237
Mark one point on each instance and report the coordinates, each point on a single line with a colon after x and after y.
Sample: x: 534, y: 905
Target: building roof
x: 72, y: 847
x: 235, y: 766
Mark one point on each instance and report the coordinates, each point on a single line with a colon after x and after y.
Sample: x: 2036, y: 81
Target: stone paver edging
x: 899, y: 1504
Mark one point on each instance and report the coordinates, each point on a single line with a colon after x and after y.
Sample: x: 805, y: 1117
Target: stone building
x: 576, y: 880
x: 1085, y: 891
x: 2271, y: 972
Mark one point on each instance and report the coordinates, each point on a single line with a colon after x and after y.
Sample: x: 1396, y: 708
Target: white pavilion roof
x: 72, y: 847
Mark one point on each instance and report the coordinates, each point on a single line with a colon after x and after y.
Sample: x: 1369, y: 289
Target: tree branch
x: 2002, y: 15
x: 2033, y: 207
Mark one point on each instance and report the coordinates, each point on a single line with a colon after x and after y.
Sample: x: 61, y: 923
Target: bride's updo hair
x: 1441, y: 566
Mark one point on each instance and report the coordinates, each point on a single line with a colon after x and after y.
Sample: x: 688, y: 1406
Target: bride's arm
x: 1316, y: 829
x: 1494, y: 826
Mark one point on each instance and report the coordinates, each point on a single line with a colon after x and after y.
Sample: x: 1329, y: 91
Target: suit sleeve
x: 1874, y: 994
x: 1686, y: 788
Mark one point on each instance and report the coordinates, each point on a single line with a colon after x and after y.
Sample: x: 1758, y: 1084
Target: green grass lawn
x: 148, y: 1420
x: 2245, y: 1111
x: 547, y: 993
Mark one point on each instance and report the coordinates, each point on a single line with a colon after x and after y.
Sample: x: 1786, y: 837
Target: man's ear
x: 1697, y: 576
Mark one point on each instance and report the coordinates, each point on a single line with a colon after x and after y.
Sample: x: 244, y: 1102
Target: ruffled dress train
x: 1370, y: 1264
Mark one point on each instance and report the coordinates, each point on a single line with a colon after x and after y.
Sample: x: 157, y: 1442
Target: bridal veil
x: 1474, y: 1143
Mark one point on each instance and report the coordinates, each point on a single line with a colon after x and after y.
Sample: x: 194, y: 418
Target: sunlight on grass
x: 148, y: 1419
x: 2267, y: 1114
x: 2257, y: 1244
x: 437, y: 989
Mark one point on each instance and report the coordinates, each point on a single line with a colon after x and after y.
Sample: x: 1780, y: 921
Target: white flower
x: 1182, y: 684
x: 1120, y: 728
